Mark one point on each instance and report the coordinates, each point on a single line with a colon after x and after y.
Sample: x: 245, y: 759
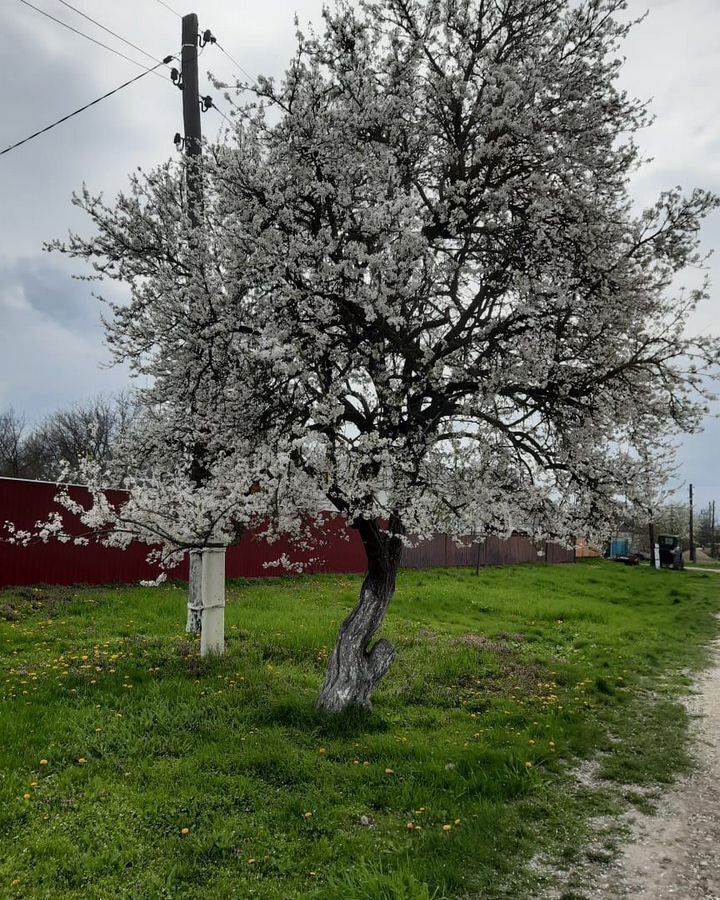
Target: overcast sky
x: 51, y: 350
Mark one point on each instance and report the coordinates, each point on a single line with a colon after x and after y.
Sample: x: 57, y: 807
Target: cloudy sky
x: 51, y: 350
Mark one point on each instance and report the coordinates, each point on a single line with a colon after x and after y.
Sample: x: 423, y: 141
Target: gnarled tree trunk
x: 355, y: 668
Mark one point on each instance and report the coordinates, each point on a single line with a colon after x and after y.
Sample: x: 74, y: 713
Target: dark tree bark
x: 356, y: 669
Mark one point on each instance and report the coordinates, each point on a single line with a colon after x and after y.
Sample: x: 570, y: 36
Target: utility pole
x: 192, y: 145
x: 692, y: 540
x: 651, y: 535
x: 713, y: 549
x: 206, y: 595
x: 191, y: 113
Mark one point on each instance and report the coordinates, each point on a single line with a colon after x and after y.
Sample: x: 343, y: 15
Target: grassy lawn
x: 129, y: 768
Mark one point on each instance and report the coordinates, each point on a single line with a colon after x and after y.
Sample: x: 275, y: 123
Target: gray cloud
x: 45, y: 288
x: 49, y: 360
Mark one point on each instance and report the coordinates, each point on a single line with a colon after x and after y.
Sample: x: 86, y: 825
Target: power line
x: 83, y: 108
x: 109, y: 30
x: 234, y: 61
x: 87, y: 37
x: 212, y: 105
x: 170, y: 8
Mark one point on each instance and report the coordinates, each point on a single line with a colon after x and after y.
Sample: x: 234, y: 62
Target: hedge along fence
x: 339, y: 549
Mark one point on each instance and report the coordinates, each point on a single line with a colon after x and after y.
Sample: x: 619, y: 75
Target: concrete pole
x: 212, y: 636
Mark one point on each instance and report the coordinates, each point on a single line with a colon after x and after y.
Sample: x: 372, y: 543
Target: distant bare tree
x: 13, y: 461
x: 706, y: 528
x: 55, y: 446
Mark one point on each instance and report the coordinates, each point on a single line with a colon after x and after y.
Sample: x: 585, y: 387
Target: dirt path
x: 676, y: 852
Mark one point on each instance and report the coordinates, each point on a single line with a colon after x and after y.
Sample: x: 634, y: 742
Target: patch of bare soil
x: 674, y: 853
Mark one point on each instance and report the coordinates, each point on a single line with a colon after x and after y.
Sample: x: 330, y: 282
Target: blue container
x: 619, y: 547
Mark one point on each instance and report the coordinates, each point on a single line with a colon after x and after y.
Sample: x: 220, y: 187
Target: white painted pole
x: 194, y: 600
x: 212, y: 636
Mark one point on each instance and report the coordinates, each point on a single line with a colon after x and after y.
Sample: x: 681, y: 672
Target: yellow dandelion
x: 308, y: 815
x: 457, y: 821
x: 184, y: 831
x: 389, y: 772
x: 322, y: 750
x: 43, y: 762
x: 26, y: 796
x: 447, y: 828
x: 528, y: 765
x: 82, y: 761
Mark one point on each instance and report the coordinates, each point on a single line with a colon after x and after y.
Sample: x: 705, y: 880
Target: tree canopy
x: 416, y: 273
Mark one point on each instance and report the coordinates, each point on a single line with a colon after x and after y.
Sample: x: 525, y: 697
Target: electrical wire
x: 109, y: 30
x: 170, y: 8
x: 234, y: 61
x: 82, y: 109
x: 220, y: 112
x: 94, y: 41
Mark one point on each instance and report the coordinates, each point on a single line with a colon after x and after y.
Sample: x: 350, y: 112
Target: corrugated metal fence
x: 444, y: 551
x: 338, y: 549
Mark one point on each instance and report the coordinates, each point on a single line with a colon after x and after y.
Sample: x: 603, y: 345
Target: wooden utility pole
x: 191, y: 114
x: 713, y: 549
x: 651, y: 534
x: 692, y: 537
x: 206, y: 593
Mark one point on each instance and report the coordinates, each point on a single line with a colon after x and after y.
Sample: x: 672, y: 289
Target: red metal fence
x: 339, y: 550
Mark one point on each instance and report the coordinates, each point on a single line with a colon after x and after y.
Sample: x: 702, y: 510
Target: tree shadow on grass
x: 302, y: 715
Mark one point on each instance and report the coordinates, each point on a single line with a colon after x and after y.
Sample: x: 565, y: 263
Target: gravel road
x: 676, y: 852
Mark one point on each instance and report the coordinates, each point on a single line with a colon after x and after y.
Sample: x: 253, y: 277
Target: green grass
x: 502, y: 683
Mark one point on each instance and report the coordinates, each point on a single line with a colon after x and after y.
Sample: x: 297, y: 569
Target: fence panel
x: 338, y: 550
x: 442, y: 551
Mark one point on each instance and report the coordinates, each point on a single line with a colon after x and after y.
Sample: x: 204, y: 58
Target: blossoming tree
x: 206, y: 461
x: 426, y: 274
